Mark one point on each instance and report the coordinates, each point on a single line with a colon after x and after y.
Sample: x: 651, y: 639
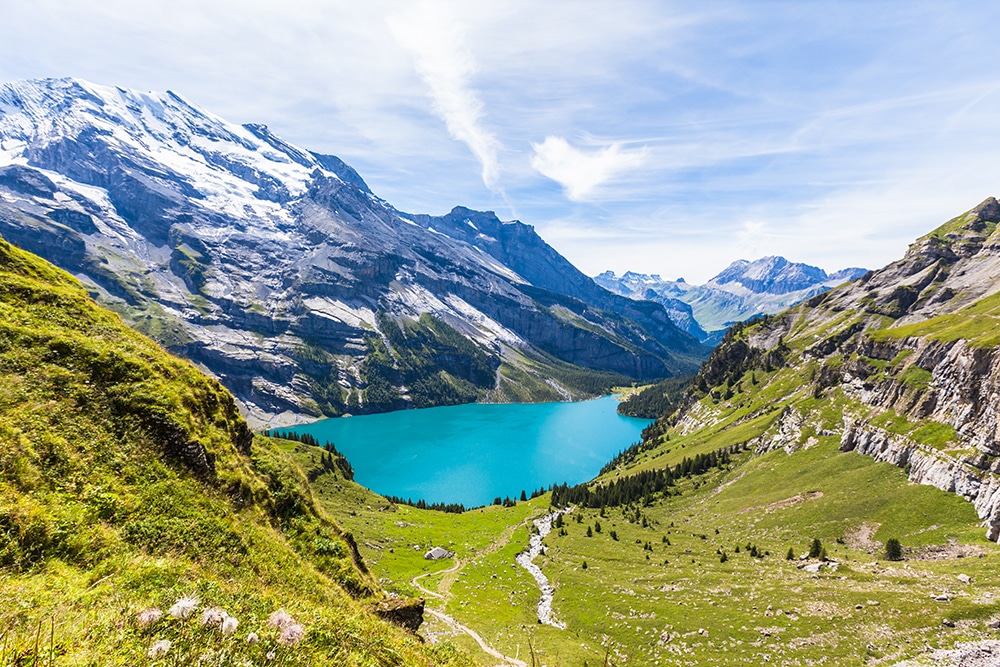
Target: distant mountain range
x: 741, y: 291
x: 280, y: 272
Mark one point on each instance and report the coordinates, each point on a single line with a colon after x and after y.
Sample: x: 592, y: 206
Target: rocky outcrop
x: 407, y: 613
x: 912, y: 345
x: 926, y: 465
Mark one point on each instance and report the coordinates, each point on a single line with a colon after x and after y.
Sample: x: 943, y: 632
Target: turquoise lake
x: 472, y: 453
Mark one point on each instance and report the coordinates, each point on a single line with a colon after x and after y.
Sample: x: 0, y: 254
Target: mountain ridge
x: 907, y: 354
x: 742, y: 290
x: 275, y: 268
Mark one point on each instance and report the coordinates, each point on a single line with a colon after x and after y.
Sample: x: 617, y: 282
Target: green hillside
x: 748, y: 527
x: 128, y: 481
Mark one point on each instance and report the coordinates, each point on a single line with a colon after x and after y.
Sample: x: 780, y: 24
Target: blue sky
x: 662, y: 137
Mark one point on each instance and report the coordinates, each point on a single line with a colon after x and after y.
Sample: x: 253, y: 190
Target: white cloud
x: 443, y: 60
x: 581, y: 172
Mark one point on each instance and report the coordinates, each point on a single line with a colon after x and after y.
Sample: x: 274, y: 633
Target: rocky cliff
x: 902, y: 365
x: 280, y: 272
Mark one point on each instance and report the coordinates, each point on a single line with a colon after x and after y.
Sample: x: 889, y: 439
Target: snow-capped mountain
x: 742, y: 290
x: 279, y: 271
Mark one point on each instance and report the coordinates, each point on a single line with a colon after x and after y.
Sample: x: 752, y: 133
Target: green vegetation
x: 978, y: 323
x: 893, y: 550
x: 657, y: 400
x: 129, y: 481
x: 436, y: 364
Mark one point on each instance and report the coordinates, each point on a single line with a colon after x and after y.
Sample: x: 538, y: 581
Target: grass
x: 681, y: 605
x: 128, y: 480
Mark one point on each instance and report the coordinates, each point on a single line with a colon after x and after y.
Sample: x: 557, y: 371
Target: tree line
x: 642, y: 486
x: 452, y: 508
x: 330, y: 459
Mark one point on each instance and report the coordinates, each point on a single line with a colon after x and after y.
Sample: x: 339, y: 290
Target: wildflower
x: 159, y: 648
x: 183, y: 608
x: 229, y: 626
x: 280, y: 619
x: 213, y: 616
x: 252, y: 638
x: 149, y: 616
x: 270, y: 655
x: 291, y: 634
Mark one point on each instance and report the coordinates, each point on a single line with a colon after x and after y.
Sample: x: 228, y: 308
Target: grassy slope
x: 128, y: 479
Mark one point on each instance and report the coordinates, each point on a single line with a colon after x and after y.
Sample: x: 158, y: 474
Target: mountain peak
x: 772, y: 275
x: 277, y: 268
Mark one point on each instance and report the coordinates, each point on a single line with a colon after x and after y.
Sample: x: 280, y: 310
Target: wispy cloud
x: 443, y: 60
x: 582, y: 172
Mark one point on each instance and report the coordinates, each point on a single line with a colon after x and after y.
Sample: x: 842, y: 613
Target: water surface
x: 472, y: 453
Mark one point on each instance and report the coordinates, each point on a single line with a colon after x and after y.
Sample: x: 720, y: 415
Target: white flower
x: 149, y: 616
x: 158, y: 648
x: 229, y: 626
x: 291, y: 634
x: 213, y: 616
x: 280, y: 619
x: 252, y: 638
x: 270, y: 655
x: 183, y: 608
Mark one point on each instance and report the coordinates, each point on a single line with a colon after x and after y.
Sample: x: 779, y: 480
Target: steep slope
x: 902, y: 365
x: 281, y: 273
x: 741, y: 291
x: 128, y: 480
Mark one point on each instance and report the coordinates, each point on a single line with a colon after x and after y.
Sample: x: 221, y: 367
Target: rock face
x: 908, y: 354
x: 743, y: 290
x: 279, y: 271
x: 407, y: 613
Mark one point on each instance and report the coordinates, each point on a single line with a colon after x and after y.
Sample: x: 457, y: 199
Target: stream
x: 526, y: 559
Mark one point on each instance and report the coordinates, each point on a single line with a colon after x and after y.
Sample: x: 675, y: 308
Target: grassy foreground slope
x: 128, y: 480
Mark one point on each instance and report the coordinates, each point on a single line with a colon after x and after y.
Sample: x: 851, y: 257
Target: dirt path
x: 459, y: 564
x: 450, y: 575
x: 479, y: 640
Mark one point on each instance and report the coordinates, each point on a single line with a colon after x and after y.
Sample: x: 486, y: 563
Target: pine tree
x: 590, y: 533
x: 790, y: 555
x: 815, y: 548
x: 893, y: 549
x: 723, y: 558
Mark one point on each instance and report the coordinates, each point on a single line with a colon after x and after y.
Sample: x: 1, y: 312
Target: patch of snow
x: 489, y: 330
x: 339, y: 311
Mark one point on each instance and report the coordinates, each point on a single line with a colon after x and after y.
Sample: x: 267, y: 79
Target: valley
x: 820, y: 487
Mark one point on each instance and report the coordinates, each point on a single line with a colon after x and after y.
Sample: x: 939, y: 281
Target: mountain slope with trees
x: 280, y: 272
